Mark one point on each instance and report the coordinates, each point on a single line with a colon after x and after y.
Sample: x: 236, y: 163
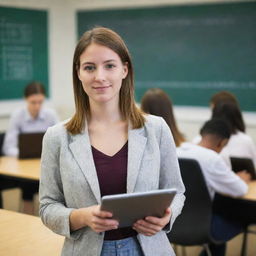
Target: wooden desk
x: 24, y: 235
x: 251, y: 195
x: 14, y: 167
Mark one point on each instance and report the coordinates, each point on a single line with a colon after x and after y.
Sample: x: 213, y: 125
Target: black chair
x: 241, y: 163
x: 193, y: 226
x: 4, y: 184
x: 238, y: 164
x: 1, y: 154
x: 1, y: 143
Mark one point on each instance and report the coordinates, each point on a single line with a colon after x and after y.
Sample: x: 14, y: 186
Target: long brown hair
x: 156, y: 102
x: 223, y: 96
x: 129, y: 111
x: 231, y: 113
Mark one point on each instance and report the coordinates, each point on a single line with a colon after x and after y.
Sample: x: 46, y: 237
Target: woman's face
x: 101, y: 73
x: 34, y: 103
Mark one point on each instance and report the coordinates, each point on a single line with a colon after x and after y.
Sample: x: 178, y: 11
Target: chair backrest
x: 193, y: 226
x: 1, y: 143
x: 242, y: 163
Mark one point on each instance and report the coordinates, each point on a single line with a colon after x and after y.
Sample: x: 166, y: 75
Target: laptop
x: 239, y: 163
x: 30, y: 145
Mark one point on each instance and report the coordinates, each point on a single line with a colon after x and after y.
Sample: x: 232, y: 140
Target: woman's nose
x: 100, y: 74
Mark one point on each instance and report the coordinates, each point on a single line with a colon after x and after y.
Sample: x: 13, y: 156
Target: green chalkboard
x: 189, y: 51
x: 23, y: 50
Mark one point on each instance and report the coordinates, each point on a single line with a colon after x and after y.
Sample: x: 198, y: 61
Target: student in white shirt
x: 31, y: 118
x: 218, y: 176
x: 225, y: 105
x: 240, y: 144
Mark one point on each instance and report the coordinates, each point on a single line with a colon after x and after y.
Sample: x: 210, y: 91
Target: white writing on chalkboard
x: 15, y: 33
x: 199, y: 84
x: 17, y: 62
x: 17, y: 52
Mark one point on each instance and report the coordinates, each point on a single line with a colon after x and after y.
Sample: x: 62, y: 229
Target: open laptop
x: 239, y: 164
x: 30, y: 145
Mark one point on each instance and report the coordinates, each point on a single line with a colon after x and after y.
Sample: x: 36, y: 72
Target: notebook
x: 30, y: 145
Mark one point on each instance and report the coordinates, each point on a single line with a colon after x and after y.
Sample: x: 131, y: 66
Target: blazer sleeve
x: 52, y: 208
x: 170, y: 176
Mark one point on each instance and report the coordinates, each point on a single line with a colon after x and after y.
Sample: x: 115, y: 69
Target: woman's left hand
x: 151, y: 225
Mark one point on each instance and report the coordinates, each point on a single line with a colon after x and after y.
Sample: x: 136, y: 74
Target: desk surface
x: 28, y: 169
x: 25, y: 235
x: 251, y: 195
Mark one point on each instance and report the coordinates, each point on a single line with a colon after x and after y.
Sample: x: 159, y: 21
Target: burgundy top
x: 112, y: 176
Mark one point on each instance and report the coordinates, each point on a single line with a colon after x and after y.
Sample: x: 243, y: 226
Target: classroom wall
x: 62, y: 40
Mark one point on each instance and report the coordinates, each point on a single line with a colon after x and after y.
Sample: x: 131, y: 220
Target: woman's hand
x: 92, y: 216
x: 151, y: 225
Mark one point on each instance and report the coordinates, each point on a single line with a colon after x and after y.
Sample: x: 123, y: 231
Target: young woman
x: 156, y: 102
x: 240, y: 144
x: 107, y: 147
x: 33, y: 117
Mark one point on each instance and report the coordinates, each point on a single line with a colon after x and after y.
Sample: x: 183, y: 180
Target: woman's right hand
x: 92, y: 216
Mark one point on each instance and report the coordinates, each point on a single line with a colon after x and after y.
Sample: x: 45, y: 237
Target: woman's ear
x: 78, y: 73
x: 125, y: 70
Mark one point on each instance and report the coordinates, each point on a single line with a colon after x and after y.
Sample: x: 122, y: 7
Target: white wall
x: 62, y: 40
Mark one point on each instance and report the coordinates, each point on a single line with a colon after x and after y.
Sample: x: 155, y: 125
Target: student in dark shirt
x: 107, y: 147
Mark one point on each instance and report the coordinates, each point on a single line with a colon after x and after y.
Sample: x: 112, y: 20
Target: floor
x: 11, y: 202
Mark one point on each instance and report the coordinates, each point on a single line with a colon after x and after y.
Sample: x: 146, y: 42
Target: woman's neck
x: 105, y: 113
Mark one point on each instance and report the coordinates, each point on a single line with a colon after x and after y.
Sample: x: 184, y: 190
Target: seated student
x: 221, y: 97
x: 218, y: 176
x: 31, y: 118
x: 156, y: 102
x: 240, y: 144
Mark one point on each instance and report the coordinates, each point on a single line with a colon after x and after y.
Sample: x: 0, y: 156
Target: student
x: 240, y: 144
x: 223, y: 97
x: 31, y: 118
x: 156, y: 102
x: 218, y: 176
x: 107, y: 147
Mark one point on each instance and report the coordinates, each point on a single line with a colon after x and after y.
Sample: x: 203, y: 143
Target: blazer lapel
x: 81, y: 149
x: 136, y: 146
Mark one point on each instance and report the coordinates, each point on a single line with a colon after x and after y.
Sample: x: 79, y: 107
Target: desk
x: 14, y: 172
x: 21, y: 169
x: 23, y: 235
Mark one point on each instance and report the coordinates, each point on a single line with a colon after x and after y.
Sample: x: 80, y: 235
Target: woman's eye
x: 89, y: 68
x: 110, y: 66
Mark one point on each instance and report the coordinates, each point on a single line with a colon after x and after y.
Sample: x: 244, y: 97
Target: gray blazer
x: 69, y: 181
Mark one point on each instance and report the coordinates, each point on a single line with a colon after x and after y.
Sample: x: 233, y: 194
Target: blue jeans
x: 124, y: 247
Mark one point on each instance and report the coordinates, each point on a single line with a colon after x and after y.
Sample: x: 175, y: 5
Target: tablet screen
x: 128, y: 208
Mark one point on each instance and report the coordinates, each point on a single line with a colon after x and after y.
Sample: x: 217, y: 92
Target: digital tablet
x: 128, y: 208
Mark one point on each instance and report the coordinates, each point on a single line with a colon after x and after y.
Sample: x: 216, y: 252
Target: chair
x: 1, y: 142
x: 240, y: 210
x: 193, y: 226
x: 4, y: 184
x: 239, y: 164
